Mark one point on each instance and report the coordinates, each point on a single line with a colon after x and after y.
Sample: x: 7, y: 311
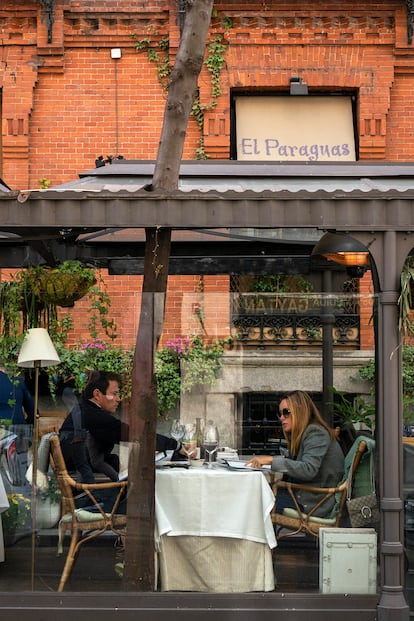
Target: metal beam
x: 216, y: 265
x: 69, y: 211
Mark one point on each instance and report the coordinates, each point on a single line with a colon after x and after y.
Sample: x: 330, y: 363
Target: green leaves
x: 367, y: 373
x: 356, y: 411
x: 52, y: 491
x: 182, y: 364
x: 405, y: 301
x: 31, y: 297
x: 161, y: 61
x: 282, y: 283
x: 214, y: 62
x: 17, y: 518
x: 96, y: 354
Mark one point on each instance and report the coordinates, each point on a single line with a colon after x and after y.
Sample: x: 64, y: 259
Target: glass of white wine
x: 189, y: 440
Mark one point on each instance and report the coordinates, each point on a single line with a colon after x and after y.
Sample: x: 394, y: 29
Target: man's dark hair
x: 99, y: 380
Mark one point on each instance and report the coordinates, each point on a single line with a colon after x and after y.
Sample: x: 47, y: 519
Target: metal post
x: 392, y: 605
x: 328, y: 322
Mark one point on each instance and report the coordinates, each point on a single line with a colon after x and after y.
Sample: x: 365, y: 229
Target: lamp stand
x: 35, y: 446
x: 37, y: 351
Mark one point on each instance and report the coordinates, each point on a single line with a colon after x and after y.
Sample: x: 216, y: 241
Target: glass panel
x: 206, y: 376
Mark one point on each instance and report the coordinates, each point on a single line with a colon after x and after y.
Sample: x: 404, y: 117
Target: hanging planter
x: 31, y: 297
x: 65, y: 288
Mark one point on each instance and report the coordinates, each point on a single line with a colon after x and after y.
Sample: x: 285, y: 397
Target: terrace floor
x: 296, y: 564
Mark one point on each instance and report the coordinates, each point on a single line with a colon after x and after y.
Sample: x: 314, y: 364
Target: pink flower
x: 181, y: 345
x: 98, y: 344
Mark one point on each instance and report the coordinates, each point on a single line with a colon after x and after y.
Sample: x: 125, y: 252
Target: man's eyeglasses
x: 285, y: 413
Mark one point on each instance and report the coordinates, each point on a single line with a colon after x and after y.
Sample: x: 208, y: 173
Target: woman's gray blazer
x: 320, y: 462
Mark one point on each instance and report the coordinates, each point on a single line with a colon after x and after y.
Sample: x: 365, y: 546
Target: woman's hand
x: 259, y: 461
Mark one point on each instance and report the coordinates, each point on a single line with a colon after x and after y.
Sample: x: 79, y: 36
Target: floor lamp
x: 37, y: 351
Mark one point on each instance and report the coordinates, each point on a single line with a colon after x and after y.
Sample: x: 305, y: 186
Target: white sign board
x: 295, y: 128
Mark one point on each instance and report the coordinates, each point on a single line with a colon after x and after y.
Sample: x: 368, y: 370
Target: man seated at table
x: 90, y: 431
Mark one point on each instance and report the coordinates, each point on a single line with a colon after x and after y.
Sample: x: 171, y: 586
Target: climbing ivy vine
x: 214, y: 62
x: 158, y: 53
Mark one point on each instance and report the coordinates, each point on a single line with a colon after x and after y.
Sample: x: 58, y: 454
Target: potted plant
x: 406, y: 299
x: 359, y: 411
x: 48, y: 504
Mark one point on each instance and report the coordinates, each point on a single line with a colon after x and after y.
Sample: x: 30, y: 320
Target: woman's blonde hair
x: 303, y: 412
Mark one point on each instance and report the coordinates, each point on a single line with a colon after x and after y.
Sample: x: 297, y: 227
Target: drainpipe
x: 182, y: 5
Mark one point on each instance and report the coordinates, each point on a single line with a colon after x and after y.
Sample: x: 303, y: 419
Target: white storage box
x: 348, y: 560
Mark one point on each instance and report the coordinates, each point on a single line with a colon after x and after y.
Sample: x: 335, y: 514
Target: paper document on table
x: 123, y: 476
x: 161, y: 457
x: 242, y: 465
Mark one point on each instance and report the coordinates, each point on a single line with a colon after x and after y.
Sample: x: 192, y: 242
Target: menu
x: 242, y: 465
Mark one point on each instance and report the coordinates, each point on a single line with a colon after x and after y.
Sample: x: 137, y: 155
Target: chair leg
x: 70, y: 560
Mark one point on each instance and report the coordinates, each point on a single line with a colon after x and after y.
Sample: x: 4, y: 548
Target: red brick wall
x: 60, y: 99
x: 195, y: 306
x: 366, y: 288
x: 66, y: 102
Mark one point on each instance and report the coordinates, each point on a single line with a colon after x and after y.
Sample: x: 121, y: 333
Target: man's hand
x: 191, y: 455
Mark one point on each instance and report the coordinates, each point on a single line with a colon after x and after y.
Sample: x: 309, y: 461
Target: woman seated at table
x: 315, y: 457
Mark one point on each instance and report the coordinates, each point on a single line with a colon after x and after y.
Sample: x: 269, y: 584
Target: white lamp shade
x: 37, y: 347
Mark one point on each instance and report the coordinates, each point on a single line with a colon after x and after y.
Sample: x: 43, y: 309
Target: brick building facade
x: 67, y: 98
x: 74, y: 86
x: 67, y: 101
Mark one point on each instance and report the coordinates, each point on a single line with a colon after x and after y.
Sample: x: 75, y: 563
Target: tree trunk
x: 181, y: 91
x: 139, y: 567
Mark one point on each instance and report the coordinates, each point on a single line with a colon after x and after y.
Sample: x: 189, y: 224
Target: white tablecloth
x: 214, y: 530
x: 4, y: 505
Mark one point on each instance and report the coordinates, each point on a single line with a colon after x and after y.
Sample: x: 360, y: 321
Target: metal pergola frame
x: 384, y: 222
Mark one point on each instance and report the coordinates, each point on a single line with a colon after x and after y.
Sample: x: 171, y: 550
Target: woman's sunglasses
x: 285, y: 413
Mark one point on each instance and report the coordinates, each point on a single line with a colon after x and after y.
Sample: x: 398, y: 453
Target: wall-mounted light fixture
x: 344, y: 250
x: 298, y: 86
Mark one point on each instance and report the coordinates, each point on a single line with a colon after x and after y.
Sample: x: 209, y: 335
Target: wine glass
x: 210, y: 441
x: 177, y: 430
x: 189, y: 439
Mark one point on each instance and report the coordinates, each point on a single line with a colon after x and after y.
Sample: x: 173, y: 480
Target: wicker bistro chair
x: 83, y: 525
x: 294, y: 521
